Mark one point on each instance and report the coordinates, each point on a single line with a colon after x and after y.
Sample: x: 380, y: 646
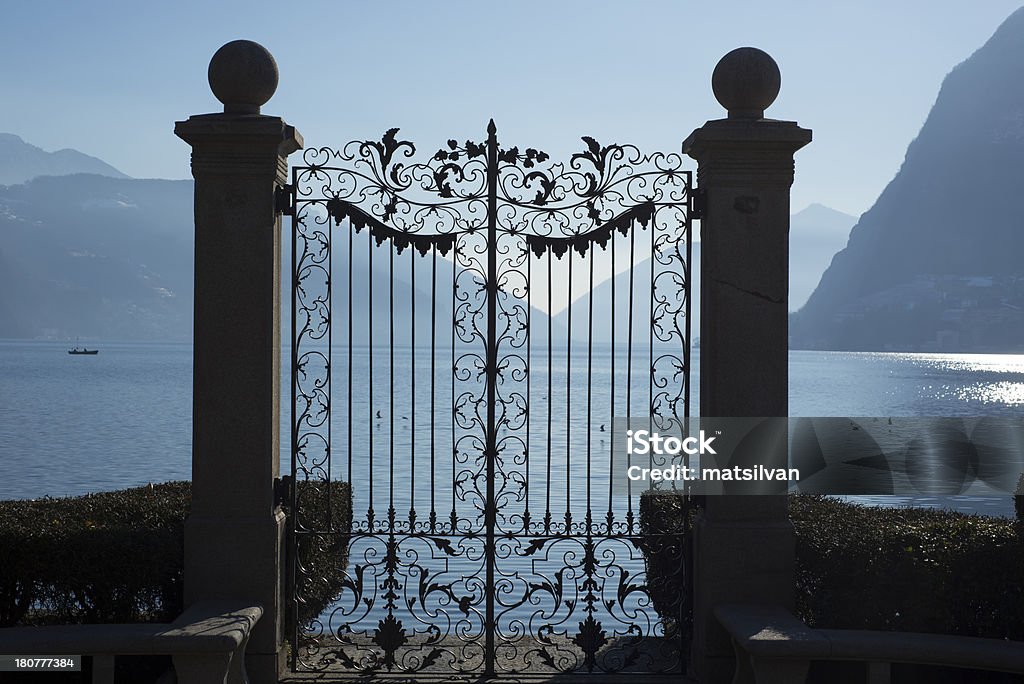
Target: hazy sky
x: 110, y: 78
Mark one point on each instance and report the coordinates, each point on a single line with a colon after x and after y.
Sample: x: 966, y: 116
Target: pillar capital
x: 232, y: 144
x: 743, y: 152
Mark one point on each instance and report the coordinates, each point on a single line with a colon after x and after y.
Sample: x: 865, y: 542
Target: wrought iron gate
x: 466, y: 392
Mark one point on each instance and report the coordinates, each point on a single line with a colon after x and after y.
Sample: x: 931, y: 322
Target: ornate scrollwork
x: 568, y: 591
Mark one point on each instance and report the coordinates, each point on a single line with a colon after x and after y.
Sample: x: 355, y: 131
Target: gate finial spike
x: 491, y: 128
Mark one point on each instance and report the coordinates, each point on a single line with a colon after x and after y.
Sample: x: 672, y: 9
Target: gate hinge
x: 283, y: 490
x: 284, y: 200
x: 698, y: 203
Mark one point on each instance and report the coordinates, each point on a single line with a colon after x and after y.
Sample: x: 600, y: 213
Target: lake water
x: 70, y: 425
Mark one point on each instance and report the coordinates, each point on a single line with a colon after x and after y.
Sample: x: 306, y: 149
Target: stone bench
x: 774, y: 647
x: 207, y: 642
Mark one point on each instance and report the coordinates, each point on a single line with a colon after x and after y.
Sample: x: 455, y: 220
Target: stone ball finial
x: 746, y: 81
x: 242, y: 75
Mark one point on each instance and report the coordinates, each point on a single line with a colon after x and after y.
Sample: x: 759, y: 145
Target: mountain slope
x: 936, y: 262
x: 92, y: 256
x: 20, y: 162
x: 602, y: 307
x: 815, y: 235
x: 100, y: 257
x: 387, y: 311
x: 96, y: 257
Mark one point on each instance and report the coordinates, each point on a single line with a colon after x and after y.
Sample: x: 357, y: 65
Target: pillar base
x: 215, y: 547
x: 736, y: 561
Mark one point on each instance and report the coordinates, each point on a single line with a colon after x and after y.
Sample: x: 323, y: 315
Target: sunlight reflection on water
x: 1009, y: 393
x: 999, y: 377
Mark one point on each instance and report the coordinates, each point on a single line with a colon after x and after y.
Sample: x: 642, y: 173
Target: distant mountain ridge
x: 21, y: 162
x: 936, y: 264
x: 96, y: 256
x: 816, y: 234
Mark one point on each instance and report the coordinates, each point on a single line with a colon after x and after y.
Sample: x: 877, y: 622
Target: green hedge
x: 107, y: 557
x: 666, y: 526
x: 119, y: 556
x: 323, y: 555
x: 906, y: 569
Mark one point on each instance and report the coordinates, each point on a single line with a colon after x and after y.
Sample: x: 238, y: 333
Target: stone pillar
x: 234, y: 534
x: 744, y: 545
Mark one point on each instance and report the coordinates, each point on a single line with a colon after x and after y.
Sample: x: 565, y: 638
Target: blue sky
x: 110, y: 78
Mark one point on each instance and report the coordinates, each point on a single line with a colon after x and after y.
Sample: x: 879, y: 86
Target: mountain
x: 392, y: 307
x: 20, y: 162
x: 602, y: 298
x: 815, y: 235
x: 936, y: 263
x: 93, y: 256
x: 112, y: 258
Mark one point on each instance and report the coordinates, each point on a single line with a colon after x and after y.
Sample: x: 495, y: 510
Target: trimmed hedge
x: 118, y: 557
x: 908, y: 569
x: 666, y: 526
x: 905, y: 569
x: 323, y: 555
x: 107, y: 557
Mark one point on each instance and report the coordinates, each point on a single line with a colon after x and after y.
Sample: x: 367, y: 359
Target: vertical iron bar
x: 492, y: 371
x: 455, y: 259
x: 370, y: 413
x: 590, y: 386
x: 547, y: 479
x: 412, y: 390
x: 568, y: 403
x: 590, y: 569
x: 688, y: 230
x: 529, y: 398
x: 650, y: 346
x: 329, y: 372
x: 391, y: 382
x: 433, y: 379
x: 392, y: 545
x: 629, y: 372
x: 351, y: 239
x: 611, y: 417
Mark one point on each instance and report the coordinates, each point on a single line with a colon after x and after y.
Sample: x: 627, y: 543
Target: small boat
x: 83, y: 350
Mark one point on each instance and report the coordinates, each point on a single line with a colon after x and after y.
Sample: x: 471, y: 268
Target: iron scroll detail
x: 482, y: 559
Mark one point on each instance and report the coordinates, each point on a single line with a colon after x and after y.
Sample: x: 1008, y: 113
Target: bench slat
x: 209, y: 627
x: 80, y: 639
x: 934, y: 649
x: 770, y: 634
